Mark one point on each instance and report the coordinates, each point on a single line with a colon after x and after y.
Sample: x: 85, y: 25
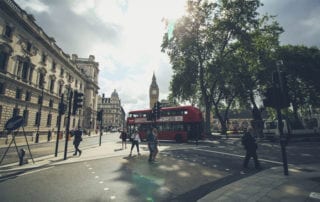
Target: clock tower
x: 153, y: 91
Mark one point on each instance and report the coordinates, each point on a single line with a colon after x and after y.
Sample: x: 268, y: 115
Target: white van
x: 271, y: 130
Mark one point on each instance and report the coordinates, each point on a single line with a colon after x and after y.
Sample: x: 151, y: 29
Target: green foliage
x: 221, y: 52
x: 302, y: 64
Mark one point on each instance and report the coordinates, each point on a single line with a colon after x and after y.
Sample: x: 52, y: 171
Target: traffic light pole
x: 68, y: 124
x: 283, y: 139
x: 282, y: 142
x: 100, y: 132
x: 59, y: 126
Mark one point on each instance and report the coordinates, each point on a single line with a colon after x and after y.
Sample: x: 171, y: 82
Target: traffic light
x: 280, y: 83
x: 150, y: 116
x: 77, y: 102
x: 157, y: 107
x: 62, y: 108
x: 269, y: 100
x: 277, y: 96
x: 99, y: 115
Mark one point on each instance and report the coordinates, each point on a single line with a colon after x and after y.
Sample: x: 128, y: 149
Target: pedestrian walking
x: 76, y: 141
x: 153, y: 145
x: 135, y: 142
x: 123, y: 137
x: 250, y: 145
x: 49, y: 135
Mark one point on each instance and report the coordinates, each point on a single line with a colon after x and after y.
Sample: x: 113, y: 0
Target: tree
x: 302, y: 65
x: 206, y: 52
x: 189, y: 50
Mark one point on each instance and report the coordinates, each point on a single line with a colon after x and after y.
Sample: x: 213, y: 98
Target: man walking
x: 250, y: 145
x: 153, y: 144
x: 76, y: 141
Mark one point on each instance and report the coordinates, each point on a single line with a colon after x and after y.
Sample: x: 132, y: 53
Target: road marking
x: 106, y: 189
x: 113, y: 197
x: 96, y: 177
x: 34, y: 171
x: 315, y: 195
x: 101, y: 182
x: 236, y: 155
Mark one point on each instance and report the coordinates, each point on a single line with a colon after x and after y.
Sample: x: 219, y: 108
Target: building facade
x: 153, y: 91
x: 35, y: 74
x: 113, y: 113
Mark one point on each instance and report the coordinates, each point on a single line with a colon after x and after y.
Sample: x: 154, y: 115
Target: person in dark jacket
x: 250, y: 145
x: 76, y: 141
x: 123, y: 137
x: 153, y: 144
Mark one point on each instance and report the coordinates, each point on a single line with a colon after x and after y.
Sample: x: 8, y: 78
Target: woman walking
x: 135, y: 142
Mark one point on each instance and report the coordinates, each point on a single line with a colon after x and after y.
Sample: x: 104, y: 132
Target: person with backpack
x: 250, y: 145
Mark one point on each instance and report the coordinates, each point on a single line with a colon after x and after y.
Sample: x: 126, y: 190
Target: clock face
x: 154, y: 92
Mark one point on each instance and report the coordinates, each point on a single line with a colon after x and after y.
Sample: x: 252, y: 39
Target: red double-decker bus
x: 180, y: 123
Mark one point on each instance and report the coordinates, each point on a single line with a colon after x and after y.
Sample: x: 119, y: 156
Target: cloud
x: 298, y: 18
x: 125, y: 37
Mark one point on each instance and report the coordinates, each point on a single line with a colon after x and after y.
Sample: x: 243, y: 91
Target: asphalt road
x: 181, y: 174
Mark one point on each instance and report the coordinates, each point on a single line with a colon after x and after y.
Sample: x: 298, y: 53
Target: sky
x: 125, y: 37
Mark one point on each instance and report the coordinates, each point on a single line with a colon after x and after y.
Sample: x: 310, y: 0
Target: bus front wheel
x: 178, y: 138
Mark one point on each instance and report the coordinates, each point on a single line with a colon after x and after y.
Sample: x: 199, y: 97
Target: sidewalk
x: 302, y: 184
x: 107, y: 149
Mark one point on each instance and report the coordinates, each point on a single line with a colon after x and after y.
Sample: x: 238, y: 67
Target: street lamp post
x: 39, y: 115
x: 61, y: 110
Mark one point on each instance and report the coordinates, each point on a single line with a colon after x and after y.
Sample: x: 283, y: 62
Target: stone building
x: 113, y: 113
x: 35, y: 73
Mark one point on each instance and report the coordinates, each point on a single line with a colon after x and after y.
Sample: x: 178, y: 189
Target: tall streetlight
x: 41, y: 85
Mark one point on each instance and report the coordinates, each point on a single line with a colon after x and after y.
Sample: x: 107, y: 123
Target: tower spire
x: 153, y: 91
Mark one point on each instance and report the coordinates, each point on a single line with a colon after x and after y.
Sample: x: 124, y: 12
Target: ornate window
x: 24, y: 68
x: 15, y: 112
x: 41, y: 77
x: 5, y: 52
x: 43, y: 59
x: 18, y: 93
x: 61, y: 84
x: 0, y: 112
x: 37, y: 120
x: 29, y: 46
x: 61, y: 72
x: 2, y: 89
x: 54, y: 66
x: 8, y: 31
x: 28, y: 96
x: 49, y: 119
x: 52, y: 83
x: 51, y: 103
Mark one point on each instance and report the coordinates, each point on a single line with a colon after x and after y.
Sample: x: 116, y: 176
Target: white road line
x: 236, y: 155
x: 315, y: 195
x: 34, y: 171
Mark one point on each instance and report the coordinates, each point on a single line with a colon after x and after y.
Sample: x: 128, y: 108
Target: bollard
x: 22, y: 153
